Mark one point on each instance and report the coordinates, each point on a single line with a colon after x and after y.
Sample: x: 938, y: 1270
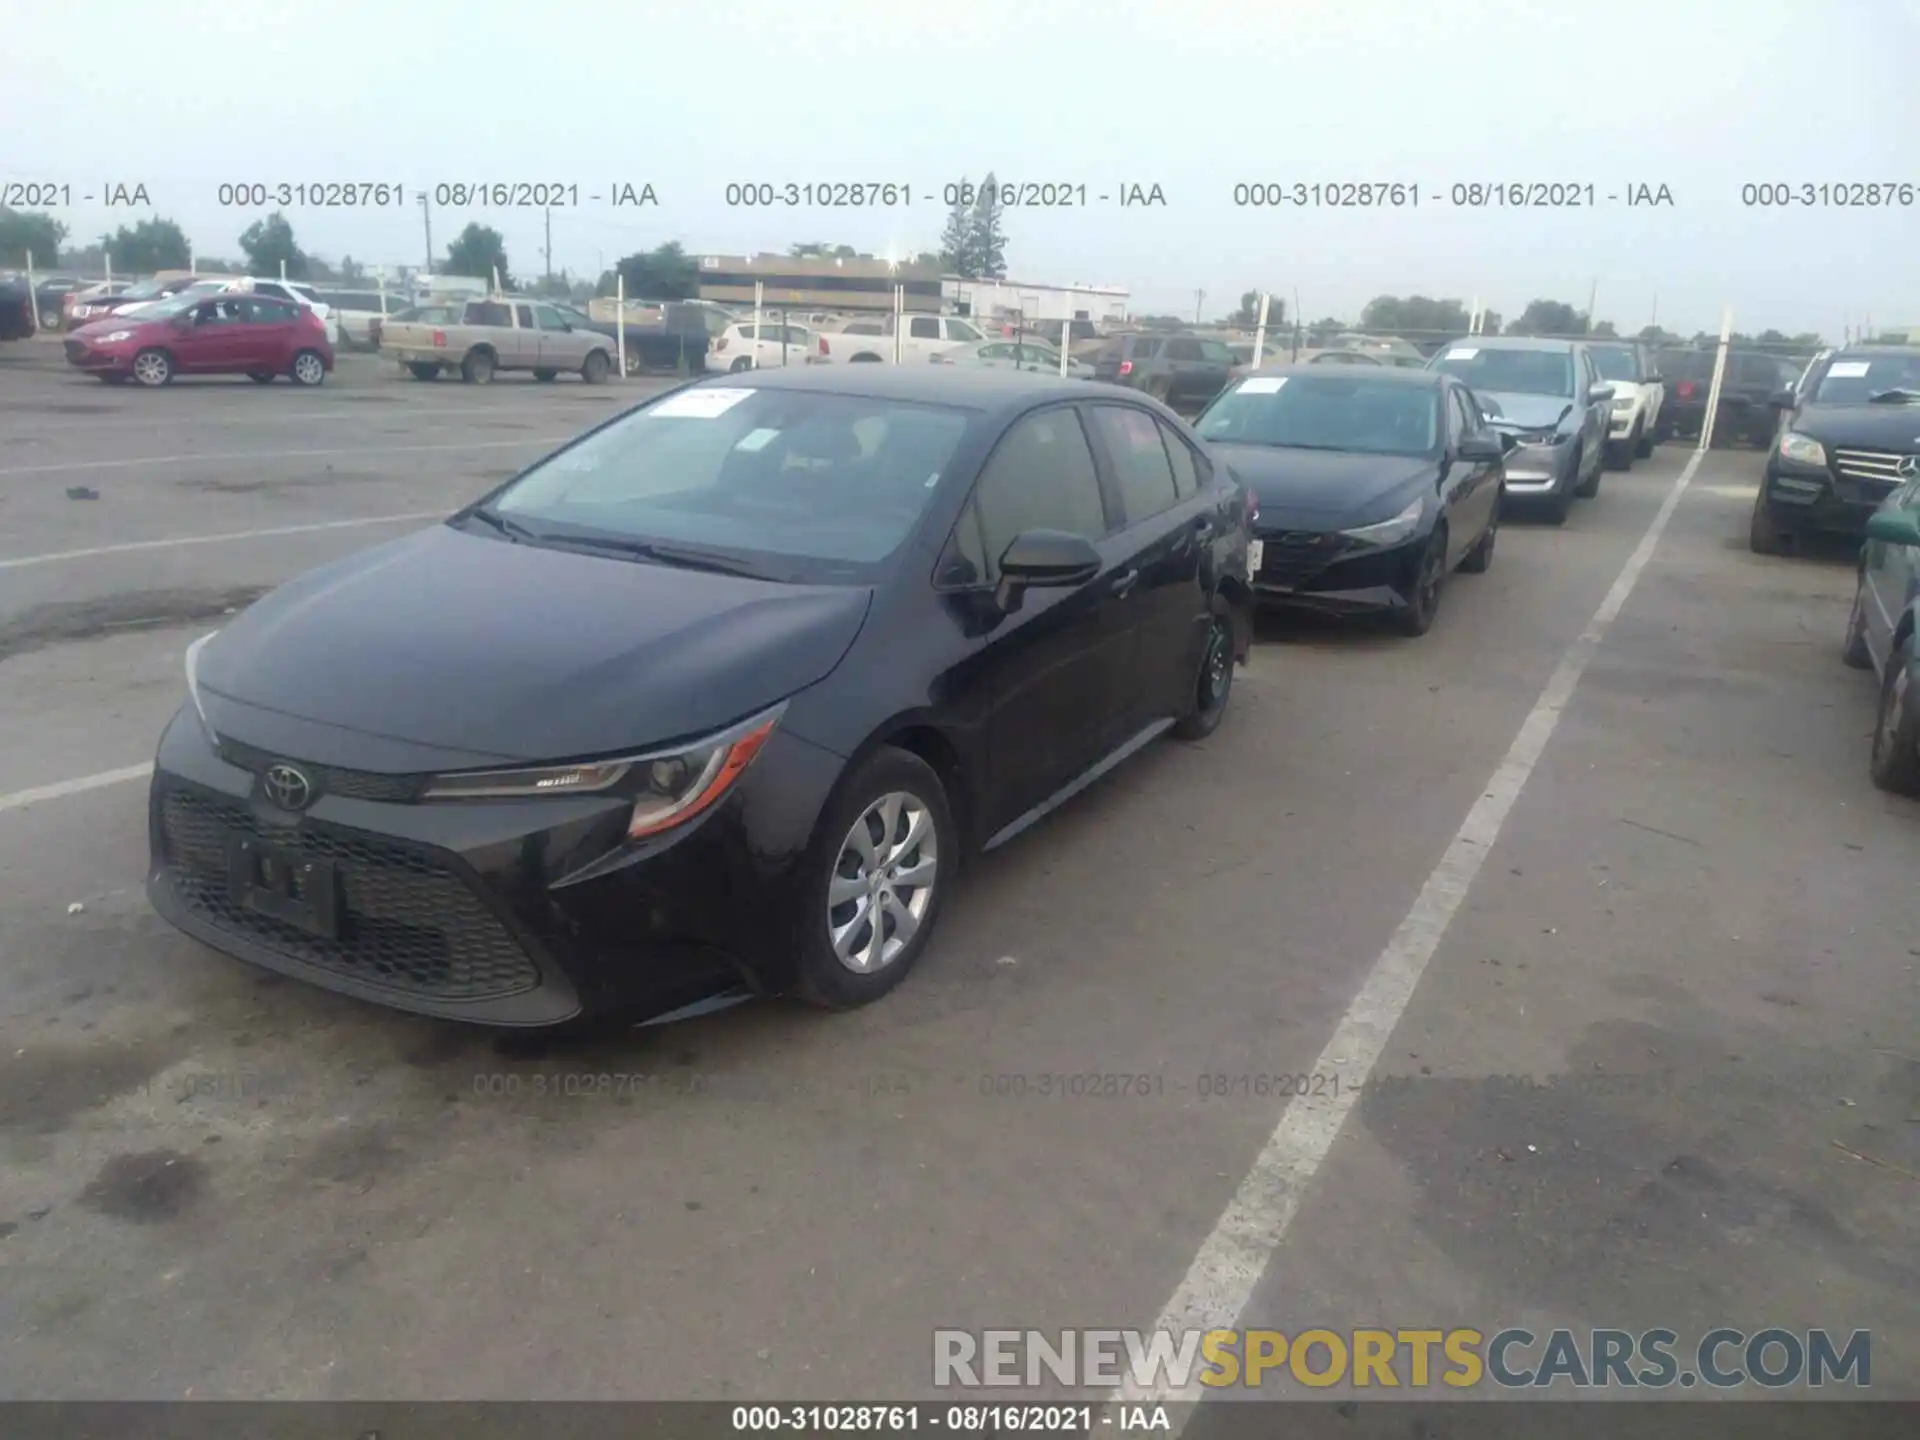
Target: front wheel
x: 424, y: 372
x: 874, y: 880
x: 308, y: 368
x: 1896, y: 733
x: 1214, y: 688
x: 1423, y: 596
x: 594, y: 368
x: 1853, y: 651
x: 1643, y: 443
x: 153, y: 368
x: 477, y: 368
x: 739, y: 366
x: 1764, y: 535
x: 544, y: 375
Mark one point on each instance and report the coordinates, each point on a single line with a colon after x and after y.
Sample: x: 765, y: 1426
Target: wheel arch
x: 933, y: 745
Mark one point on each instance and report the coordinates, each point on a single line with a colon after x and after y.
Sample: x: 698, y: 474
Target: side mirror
x: 1481, y: 447
x: 1894, y: 527
x: 1599, y: 394
x: 1509, y: 441
x: 1045, y: 559
x: 1782, y: 400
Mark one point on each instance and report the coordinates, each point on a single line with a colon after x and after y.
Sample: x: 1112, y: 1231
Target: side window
x: 1039, y: 477
x: 996, y: 352
x: 550, y: 318
x: 960, y: 330
x: 1464, y: 421
x: 924, y: 327
x: 965, y: 560
x: 523, y: 316
x: 1146, y: 347
x: 1181, y: 348
x: 486, y: 312
x: 273, y: 312
x: 1140, y: 463
x: 1186, y: 476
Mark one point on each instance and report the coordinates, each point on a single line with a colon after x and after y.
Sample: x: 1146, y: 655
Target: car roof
x: 1406, y: 375
x: 966, y: 388
x: 1877, y: 352
x: 1518, y: 342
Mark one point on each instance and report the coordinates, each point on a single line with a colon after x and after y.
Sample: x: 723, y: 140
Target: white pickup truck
x: 872, y: 341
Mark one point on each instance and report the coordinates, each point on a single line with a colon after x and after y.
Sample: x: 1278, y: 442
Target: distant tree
x: 24, y: 233
x: 554, y: 287
x: 1249, y: 312
x: 1323, y: 330
x: 149, y: 246
x: 478, y: 251
x: 927, y: 257
x: 956, y: 240
x: 1549, y: 317
x: 818, y: 251
x: 666, y: 272
x: 269, y: 243
x: 1654, y: 335
x: 351, y: 270
x: 1605, y: 330
x: 1415, y: 315
x: 1489, y: 322
x: 987, y: 233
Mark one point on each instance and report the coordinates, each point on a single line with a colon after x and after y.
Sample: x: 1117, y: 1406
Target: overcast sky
x: 1701, y: 96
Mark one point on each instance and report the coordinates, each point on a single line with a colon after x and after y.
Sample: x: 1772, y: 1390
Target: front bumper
x: 1621, y: 423
x: 1800, y: 498
x: 1321, y: 570
x: 97, y: 360
x: 523, y: 913
x: 1537, y: 469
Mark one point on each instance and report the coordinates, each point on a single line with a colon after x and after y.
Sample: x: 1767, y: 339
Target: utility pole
x: 1593, y: 292
x: 1653, y: 320
x: 549, y: 242
x: 426, y: 215
x: 1199, y: 299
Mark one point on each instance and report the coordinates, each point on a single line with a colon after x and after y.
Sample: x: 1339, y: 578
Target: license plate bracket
x: 284, y: 885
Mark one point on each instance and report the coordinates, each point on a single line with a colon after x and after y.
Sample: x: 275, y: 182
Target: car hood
x: 108, y: 324
x: 1301, y: 487
x: 1531, y: 412
x: 447, y: 648
x: 1878, y: 427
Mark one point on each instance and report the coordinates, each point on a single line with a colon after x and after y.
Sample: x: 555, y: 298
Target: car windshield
x: 1855, y: 379
x: 1617, y: 362
x: 1686, y: 364
x: 145, y: 290
x: 795, y: 485
x: 1511, y: 372
x: 1333, y: 411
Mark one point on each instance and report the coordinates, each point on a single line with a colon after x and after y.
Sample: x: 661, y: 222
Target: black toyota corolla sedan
x: 1373, y: 485
x: 710, y: 702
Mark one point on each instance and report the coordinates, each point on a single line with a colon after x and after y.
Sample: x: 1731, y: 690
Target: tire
x: 113, y: 378
x: 1895, y: 766
x: 309, y: 368
x: 1853, y: 651
x: 1643, y: 443
x: 1765, y: 536
x: 889, y: 783
x: 1423, y: 605
x: 1213, y: 685
x: 478, y: 368
x: 1158, y: 390
x: 153, y: 368
x: 864, y: 360
x: 423, y: 371
x: 1616, y: 455
x: 543, y: 376
x: 260, y: 377
x: 594, y: 368
x: 634, y: 363
x: 1480, y: 557
x: 740, y: 366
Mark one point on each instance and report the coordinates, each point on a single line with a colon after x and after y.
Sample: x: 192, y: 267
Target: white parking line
x: 321, y: 413
x: 1234, y: 1257
x: 20, y: 799
x: 21, y: 562
x: 218, y: 457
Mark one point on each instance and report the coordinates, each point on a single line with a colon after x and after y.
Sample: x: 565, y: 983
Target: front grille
x: 328, y: 779
x: 1877, y: 467
x: 76, y: 352
x: 409, y: 922
x: 1294, y: 557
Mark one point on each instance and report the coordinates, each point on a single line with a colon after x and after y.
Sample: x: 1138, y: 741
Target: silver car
x: 1026, y: 354
x: 1549, y: 395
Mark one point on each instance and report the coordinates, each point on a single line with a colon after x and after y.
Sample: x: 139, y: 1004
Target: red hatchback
x: 228, y: 334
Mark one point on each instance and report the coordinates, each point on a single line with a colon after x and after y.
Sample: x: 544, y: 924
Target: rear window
x: 488, y: 312
x: 1686, y: 364
x: 806, y: 487
x: 1854, y: 379
x: 1618, y: 362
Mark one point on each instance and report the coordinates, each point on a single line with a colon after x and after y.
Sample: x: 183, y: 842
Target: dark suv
x: 1182, y: 371
x: 1753, y: 378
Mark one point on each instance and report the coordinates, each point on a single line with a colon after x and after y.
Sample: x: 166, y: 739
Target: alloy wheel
x: 308, y: 368
x: 1217, y: 673
x: 151, y: 368
x: 882, y: 882
x: 1893, y: 712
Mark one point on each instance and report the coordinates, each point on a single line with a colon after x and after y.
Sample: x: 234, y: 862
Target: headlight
x: 1802, y: 449
x: 116, y: 335
x: 1626, y: 404
x: 1389, y: 532
x: 193, y: 683
x: 669, y: 786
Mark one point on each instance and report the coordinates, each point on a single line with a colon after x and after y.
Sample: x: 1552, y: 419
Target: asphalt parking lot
x: 1647, y: 1057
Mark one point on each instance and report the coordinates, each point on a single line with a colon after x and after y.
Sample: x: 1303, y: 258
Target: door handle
x: 1123, y: 584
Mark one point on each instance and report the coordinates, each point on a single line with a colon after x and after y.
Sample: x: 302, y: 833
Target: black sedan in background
x: 712, y: 701
x: 1373, y: 485
x: 1849, y: 437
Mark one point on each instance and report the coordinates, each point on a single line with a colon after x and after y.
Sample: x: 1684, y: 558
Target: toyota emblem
x: 287, y: 787
x: 1908, y: 467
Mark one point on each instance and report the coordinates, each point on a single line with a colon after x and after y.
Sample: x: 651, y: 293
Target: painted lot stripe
x: 221, y: 457
x: 1234, y: 1256
x: 20, y: 799
x: 330, y: 414
x: 21, y: 562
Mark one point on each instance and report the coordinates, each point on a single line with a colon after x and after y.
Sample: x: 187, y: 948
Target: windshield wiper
x: 662, y: 554
x: 1896, y: 396
x: 512, y: 529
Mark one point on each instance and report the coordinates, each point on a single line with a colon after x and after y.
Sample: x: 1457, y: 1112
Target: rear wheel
x: 742, y: 364
x: 1896, y: 732
x: 1423, y: 595
x: 874, y: 880
x: 308, y: 368
x: 595, y: 367
x: 1214, y: 687
x: 1643, y: 443
x: 545, y: 375
x: 424, y: 372
x: 478, y: 368
x: 1853, y: 651
x: 153, y: 368
x: 1765, y: 536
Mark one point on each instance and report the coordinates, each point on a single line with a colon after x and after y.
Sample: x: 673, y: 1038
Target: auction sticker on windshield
x: 698, y: 404
x: 756, y: 439
x: 1849, y: 369
x: 1263, y: 385
x: 1462, y: 354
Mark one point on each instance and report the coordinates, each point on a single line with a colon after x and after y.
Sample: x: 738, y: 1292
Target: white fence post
x: 1719, y: 374
x: 620, y: 319
x: 33, y: 294
x: 1260, y: 330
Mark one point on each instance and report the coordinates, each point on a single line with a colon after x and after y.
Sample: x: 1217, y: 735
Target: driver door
x: 217, y: 339
x: 559, y: 345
